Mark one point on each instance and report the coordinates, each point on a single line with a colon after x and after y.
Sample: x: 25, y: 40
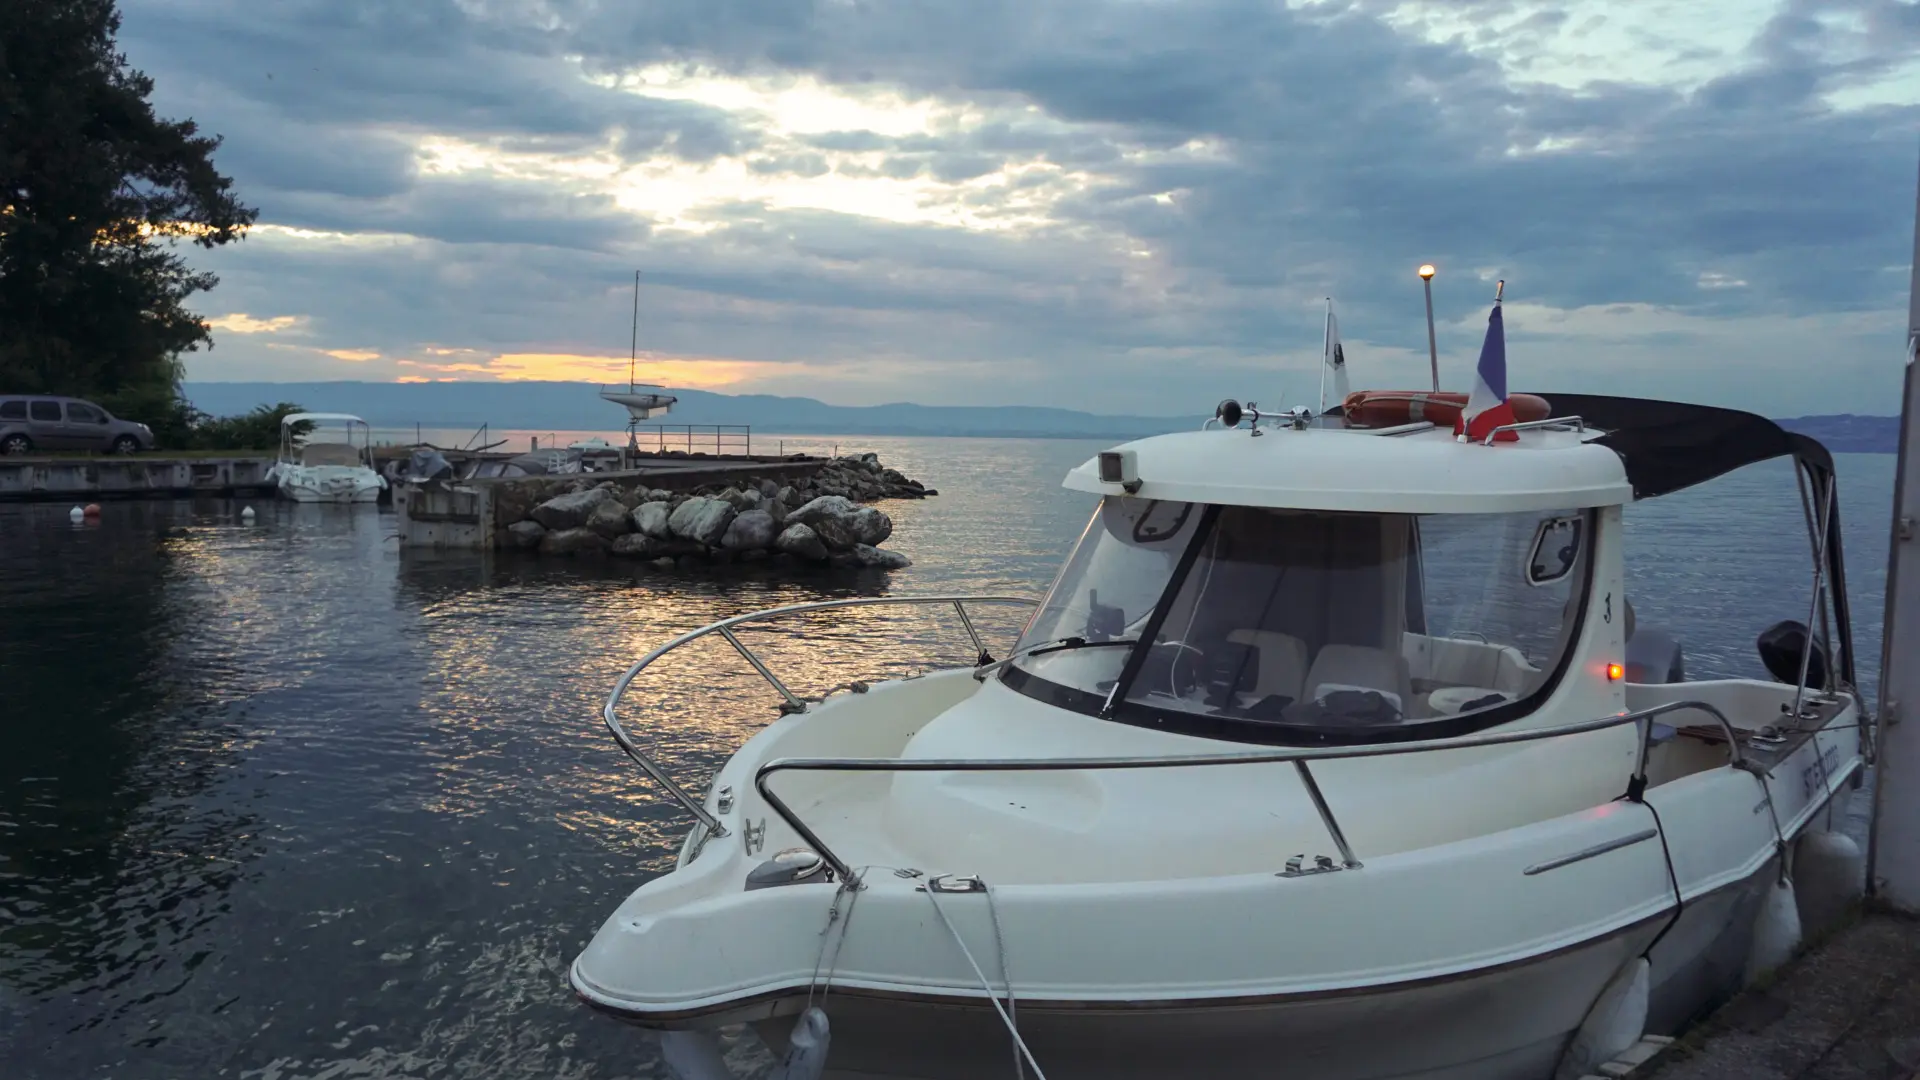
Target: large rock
x: 801, y: 542
x: 789, y: 495
x: 872, y: 526
x: 569, y: 511
x: 525, y: 535
x: 609, y: 519
x: 831, y: 519
x: 884, y: 560
x: 750, y: 531
x: 515, y: 502
x: 581, y: 541
x: 702, y: 520
x: 778, y: 511
x: 633, y: 546
x: 650, y: 519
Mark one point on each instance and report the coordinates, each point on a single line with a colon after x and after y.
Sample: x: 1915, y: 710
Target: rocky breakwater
x: 814, y: 522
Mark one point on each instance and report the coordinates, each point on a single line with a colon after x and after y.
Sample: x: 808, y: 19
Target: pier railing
x: 692, y: 438
x: 792, y: 702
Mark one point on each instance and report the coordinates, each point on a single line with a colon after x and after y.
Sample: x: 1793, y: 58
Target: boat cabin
x: 1315, y: 583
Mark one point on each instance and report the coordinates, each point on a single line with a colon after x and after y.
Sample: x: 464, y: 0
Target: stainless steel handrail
x: 794, y: 702
x: 1574, y: 422
x: 1299, y: 756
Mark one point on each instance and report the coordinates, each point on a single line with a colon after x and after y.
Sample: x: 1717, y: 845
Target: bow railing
x: 792, y: 702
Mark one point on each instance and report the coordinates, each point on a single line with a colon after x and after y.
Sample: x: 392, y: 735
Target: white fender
x: 1776, y: 931
x: 694, y: 1055
x: 1615, y: 1022
x: 806, y: 1048
x: 1829, y: 876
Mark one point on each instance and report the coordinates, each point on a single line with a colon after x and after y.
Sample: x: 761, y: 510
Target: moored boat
x: 326, y: 457
x: 1331, y: 753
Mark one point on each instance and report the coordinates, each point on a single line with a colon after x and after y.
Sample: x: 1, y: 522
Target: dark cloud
x: 1212, y: 167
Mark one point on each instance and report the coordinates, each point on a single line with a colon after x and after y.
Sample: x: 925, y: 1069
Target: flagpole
x: 1433, y: 351
x: 1326, y: 343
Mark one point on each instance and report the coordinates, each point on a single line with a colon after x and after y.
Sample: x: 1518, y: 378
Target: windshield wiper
x: 1056, y: 645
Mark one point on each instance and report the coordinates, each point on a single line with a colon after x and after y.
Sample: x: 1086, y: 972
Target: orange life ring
x: 1388, y: 408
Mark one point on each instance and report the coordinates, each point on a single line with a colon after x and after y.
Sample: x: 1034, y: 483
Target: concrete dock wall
x: 130, y: 477
x: 446, y: 518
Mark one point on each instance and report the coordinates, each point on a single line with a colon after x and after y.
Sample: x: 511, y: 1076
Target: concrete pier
x: 135, y: 476
x: 1849, y: 1009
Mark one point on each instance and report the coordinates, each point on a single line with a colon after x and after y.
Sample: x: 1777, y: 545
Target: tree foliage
x: 96, y: 194
x: 256, y: 430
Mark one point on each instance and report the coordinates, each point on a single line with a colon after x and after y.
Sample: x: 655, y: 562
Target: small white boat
x: 330, y: 462
x: 1332, y: 753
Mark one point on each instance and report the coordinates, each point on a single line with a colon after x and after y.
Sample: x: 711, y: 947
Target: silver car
x: 39, y: 422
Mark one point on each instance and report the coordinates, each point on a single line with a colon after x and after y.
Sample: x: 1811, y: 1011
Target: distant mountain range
x: 1847, y: 433
x: 561, y: 406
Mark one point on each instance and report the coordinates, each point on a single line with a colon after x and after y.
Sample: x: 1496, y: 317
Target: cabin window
x: 1271, y: 624
x: 1107, y: 590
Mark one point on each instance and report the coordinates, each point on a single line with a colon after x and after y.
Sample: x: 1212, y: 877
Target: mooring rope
x: 1019, y: 1044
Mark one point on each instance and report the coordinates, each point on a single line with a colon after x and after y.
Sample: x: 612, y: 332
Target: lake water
x: 282, y: 801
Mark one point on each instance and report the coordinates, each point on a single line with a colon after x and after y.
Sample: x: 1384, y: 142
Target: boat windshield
x: 1272, y: 625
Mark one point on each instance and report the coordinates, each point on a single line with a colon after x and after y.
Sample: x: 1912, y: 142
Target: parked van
x: 30, y: 422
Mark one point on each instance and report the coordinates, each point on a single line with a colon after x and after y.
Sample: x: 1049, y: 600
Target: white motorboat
x: 1331, y: 753
x: 326, y: 458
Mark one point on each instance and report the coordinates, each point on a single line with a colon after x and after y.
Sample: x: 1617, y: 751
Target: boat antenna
x: 1326, y: 342
x: 633, y: 351
x: 1433, y: 351
x: 1499, y: 287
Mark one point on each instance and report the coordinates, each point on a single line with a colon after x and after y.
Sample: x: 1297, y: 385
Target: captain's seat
x: 1282, y: 665
x: 1360, y: 667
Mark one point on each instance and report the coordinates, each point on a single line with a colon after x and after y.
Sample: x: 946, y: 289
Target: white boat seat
x: 1340, y: 667
x: 1283, y: 661
x: 1451, y: 700
x: 327, y: 453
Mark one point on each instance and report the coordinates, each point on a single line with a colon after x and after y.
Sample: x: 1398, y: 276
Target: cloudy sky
x: 1119, y: 205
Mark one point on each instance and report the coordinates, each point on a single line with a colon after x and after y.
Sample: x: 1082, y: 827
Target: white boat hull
x: 328, y: 484
x: 1507, y: 1023
x: 1476, y: 958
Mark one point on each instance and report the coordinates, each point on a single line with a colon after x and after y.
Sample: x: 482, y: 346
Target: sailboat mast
x: 633, y: 350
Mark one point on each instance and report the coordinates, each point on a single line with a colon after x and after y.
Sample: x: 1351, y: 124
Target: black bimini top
x: 1669, y: 445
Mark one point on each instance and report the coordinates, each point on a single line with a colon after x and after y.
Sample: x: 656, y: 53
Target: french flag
x: 1487, y: 406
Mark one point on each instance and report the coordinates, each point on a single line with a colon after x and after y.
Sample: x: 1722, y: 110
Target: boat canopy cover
x: 1669, y: 445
